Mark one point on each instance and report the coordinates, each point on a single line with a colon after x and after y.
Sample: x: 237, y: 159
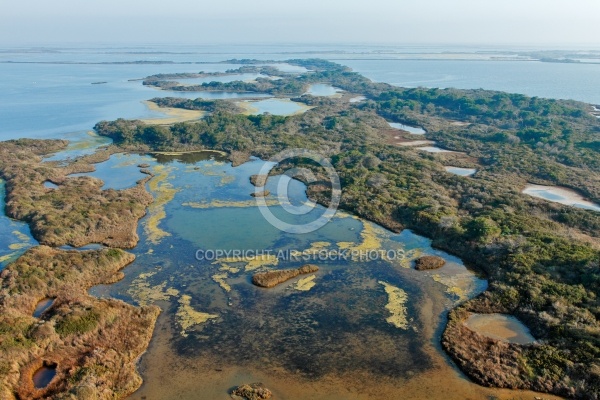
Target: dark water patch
x: 190, y: 157
x: 50, y: 185
x: 43, y: 376
x: 42, y: 307
x: 415, y: 130
x: 339, y: 326
x: 119, y: 172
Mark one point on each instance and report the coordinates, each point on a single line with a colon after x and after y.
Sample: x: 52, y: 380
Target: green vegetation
x: 78, y: 324
x: 542, y: 258
x: 78, y: 212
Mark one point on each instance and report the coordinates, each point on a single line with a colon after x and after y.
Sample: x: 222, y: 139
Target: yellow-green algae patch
x: 188, y: 317
x: 8, y: 257
x: 396, y: 305
x: 96, y: 140
x: 18, y: 246
x: 221, y: 280
x: 319, y: 245
x: 22, y: 237
x: 145, y: 294
x: 370, y: 240
x: 208, y: 169
x: 25, y: 241
x: 455, y: 285
x: 305, y: 284
x: 407, y: 257
x: 163, y: 193
x: 252, y: 262
x: 312, y: 251
x: 172, y: 115
x: 227, y: 179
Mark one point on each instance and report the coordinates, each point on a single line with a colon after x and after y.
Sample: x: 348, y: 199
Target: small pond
x: 501, y: 327
x: 434, y: 149
x: 274, y: 106
x: 44, y: 376
x: 415, y: 130
x: 461, y: 171
x: 321, y: 89
x: 560, y: 195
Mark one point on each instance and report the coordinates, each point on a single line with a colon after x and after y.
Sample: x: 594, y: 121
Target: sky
x: 544, y: 22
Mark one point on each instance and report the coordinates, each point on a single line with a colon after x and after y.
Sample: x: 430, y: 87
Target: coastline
x: 172, y: 115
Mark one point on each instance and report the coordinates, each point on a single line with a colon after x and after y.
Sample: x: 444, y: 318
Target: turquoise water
x: 81, y: 143
x: 120, y: 171
x: 50, y: 185
x: 277, y: 107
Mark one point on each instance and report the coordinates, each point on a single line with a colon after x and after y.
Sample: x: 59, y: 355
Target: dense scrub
x: 93, y: 343
x: 78, y: 211
x: 542, y: 258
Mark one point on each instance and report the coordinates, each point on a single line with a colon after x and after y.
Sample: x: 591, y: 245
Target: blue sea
x: 48, y: 92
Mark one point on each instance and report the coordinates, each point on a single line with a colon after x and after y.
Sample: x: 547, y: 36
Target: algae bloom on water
x: 396, y: 305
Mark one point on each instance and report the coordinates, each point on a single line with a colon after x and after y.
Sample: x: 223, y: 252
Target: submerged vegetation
x: 542, y: 258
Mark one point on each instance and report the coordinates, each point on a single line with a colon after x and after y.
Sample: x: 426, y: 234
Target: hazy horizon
x: 546, y: 23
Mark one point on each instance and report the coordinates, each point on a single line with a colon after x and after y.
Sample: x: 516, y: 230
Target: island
x: 541, y: 258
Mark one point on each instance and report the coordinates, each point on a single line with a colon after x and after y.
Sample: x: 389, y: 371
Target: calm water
x: 354, y: 321
x: 415, y: 130
x: 118, y: 172
x: 499, y: 326
x: 50, y: 99
x: 276, y: 107
x: 211, y: 209
x: 560, y: 195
